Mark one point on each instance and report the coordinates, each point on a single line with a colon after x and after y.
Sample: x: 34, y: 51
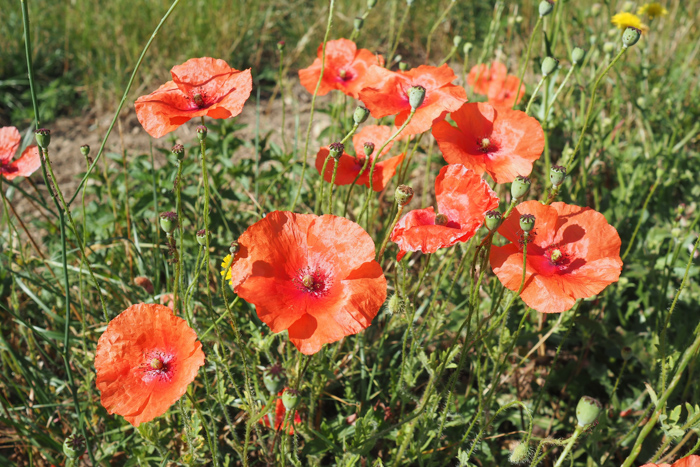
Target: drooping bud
x: 416, y: 95
x: 493, y: 220
x: 577, y: 55
x: 441, y: 219
x: 368, y: 147
x: 557, y: 174
x: 168, y: 222
x: 403, y: 195
x: 202, y: 237
x: 178, y: 151
x: 587, y: 411
x: 74, y: 446
x: 290, y: 398
x: 358, y: 23
x: 403, y: 66
x: 549, y: 65
x: 520, y: 453
x: 457, y: 41
x: 520, y: 187
x: 233, y: 249
x: 546, y: 7
x: 336, y: 150
x: 273, y: 378
x: 527, y: 222
x: 201, y: 132
x: 466, y: 48
x: 85, y: 150
x: 43, y: 137
x: 360, y: 115
x: 631, y: 36
x: 280, y: 45
x: 626, y: 353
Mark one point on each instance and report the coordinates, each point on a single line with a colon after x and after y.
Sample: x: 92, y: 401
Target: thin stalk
x: 534, y: 94
x: 569, y: 445
x: 527, y: 59
x: 388, y: 232
x: 398, y: 34
x: 434, y: 28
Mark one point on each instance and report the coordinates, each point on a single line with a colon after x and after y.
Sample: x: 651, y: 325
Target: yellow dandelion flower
x: 628, y: 20
x: 652, y: 10
x: 226, y: 268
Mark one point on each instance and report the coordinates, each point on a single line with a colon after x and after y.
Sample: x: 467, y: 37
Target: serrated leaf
x: 652, y: 394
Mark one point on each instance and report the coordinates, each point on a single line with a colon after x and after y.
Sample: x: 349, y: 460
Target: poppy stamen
x: 156, y: 364
x: 312, y: 281
x: 556, y: 256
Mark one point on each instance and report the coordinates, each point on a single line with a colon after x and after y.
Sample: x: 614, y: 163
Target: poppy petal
x: 9, y: 143
x: 28, y: 163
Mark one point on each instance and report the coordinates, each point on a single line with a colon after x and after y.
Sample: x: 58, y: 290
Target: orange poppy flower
x: 144, y: 361
x: 463, y: 199
x: 387, y: 94
x: 349, y: 166
x: 313, y: 276
x: 690, y: 461
x: 502, y: 93
x: 482, y: 76
x: 502, y: 142
x: 277, y: 418
x: 345, y: 68
x: 23, y: 166
x: 574, y: 253
x: 200, y: 86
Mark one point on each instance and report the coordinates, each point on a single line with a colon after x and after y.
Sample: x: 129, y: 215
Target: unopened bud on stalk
x: 290, y: 398
x: 179, y: 151
x: 85, y: 150
x: 368, y: 148
x: 520, y: 187
x: 557, y: 174
x: 43, y: 137
x: 403, y: 66
x: 457, y: 41
x: 360, y: 115
x: 280, y: 45
x: 608, y: 47
x: 546, y: 7
x: 520, y: 453
x: 577, y: 55
x: 358, y: 23
x: 416, y: 95
x: 202, y: 237
x: 403, y: 195
x: 74, y: 446
x: 168, y: 222
x: 626, y: 353
x: 527, y: 223
x: 395, y: 304
x: 493, y: 220
x: 441, y: 219
x: 273, y: 378
x: 336, y: 150
x: 587, y: 411
x: 631, y: 36
x: 233, y: 249
x: 202, y: 132
x: 467, y: 47
x: 549, y: 65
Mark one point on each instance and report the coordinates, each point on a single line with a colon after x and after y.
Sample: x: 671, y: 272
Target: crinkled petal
x: 28, y: 163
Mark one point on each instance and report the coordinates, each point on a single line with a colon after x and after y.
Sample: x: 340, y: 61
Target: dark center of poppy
x: 344, y: 74
x: 441, y: 219
x: 312, y: 281
x: 199, y: 100
x: 157, y: 365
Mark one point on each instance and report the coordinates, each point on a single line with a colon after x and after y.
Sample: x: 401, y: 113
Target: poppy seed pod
x: 546, y: 7
x: 168, y: 222
x: 631, y: 36
x: 403, y: 195
x: 290, y: 398
x: 403, y: 66
x: 43, y: 137
x: 587, y: 411
x: 233, y: 249
x: 280, y: 45
x: 549, y: 65
x: 202, y: 132
x: 493, y: 220
x: 336, y: 150
x: 441, y: 219
x: 577, y: 55
x: 557, y: 174
x: 626, y: 353
x: 457, y: 41
x: 179, y: 151
x: 520, y: 453
x: 368, y: 147
x: 273, y: 378
x: 416, y: 95
x: 358, y: 23
x: 527, y: 222
x: 520, y: 187
x: 202, y: 237
x: 360, y: 115
x: 85, y: 150
x: 74, y: 446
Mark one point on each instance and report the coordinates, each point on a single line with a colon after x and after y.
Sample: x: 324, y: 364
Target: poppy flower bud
x: 403, y: 66
x: 358, y: 23
x: 549, y: 65
x: 168, y: 222
x: 368, y: 148
x: 546, y: 7
x: 280, y: 45
x: 467, y: 47
x: 85, y: 150
x: 626, y: 353
x: 577, y: 55
x: 416, y: 95
x: 587, y: 411
x: 631, y: 36
x: 179, y: 151
x: 557, y: 174
x: 273, y: 378
x: 520, y: 453
x: 290, y: 398
x: 493, y: 220
x: 74, y: 446
x: 201, y: 132
x: 595, y: 9
x: 371, y: 3
x: 520, y: 187
x: 202, y: 237
x: 403, y: 195
x: 457, y: 41
x: 527, y: 222
x: 360, y: 115
x: 441, y: 219
x: 233, y: 249
x: 336, y: 150
x: 395, y: 305
x: 43, y: 137
x: 608, y: 47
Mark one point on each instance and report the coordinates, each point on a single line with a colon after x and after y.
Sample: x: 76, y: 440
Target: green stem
x: 330, y: 188
x: 534, y: 94
x: 388, y: 232
x: 434, y: 28
x: 569, y: 445
x: 398, y: 35
x: 527, y: 59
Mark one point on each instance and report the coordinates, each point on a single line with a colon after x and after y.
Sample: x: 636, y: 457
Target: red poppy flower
x: 345, y: 68
x: 502, y: 142
x: 574, y: 253
x: 144, y: 361
x: 387, y: 94
x: 462, y: 200
x: 349, y: 166
x: 481, y: 77
x: 502, y: 93
x: 23, y: 166
x: 313, y: 276
x: 277, y: 418
x: 690, y: 461
x: 200, y: 86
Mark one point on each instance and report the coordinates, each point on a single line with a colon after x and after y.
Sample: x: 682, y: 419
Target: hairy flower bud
x: 403, y: 66
x: 179, y: 151
x: 336, y: 150
x: 168, y: 222
x: 290, y: 398
x: 520, y: 453
x: 403, y: 195
x: 520, y: 187
x: 577, y: 55
x: 202, y: 132
x: 546, y: 7
x: 549, y: 65
x: 587, y: 411
x: 360, y: 115
x: 43, y: 137
x: 527, y: 222
x: 416, y: 95
x: 493, y: 220
x: 557, y: 174
x: 631, y: 36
